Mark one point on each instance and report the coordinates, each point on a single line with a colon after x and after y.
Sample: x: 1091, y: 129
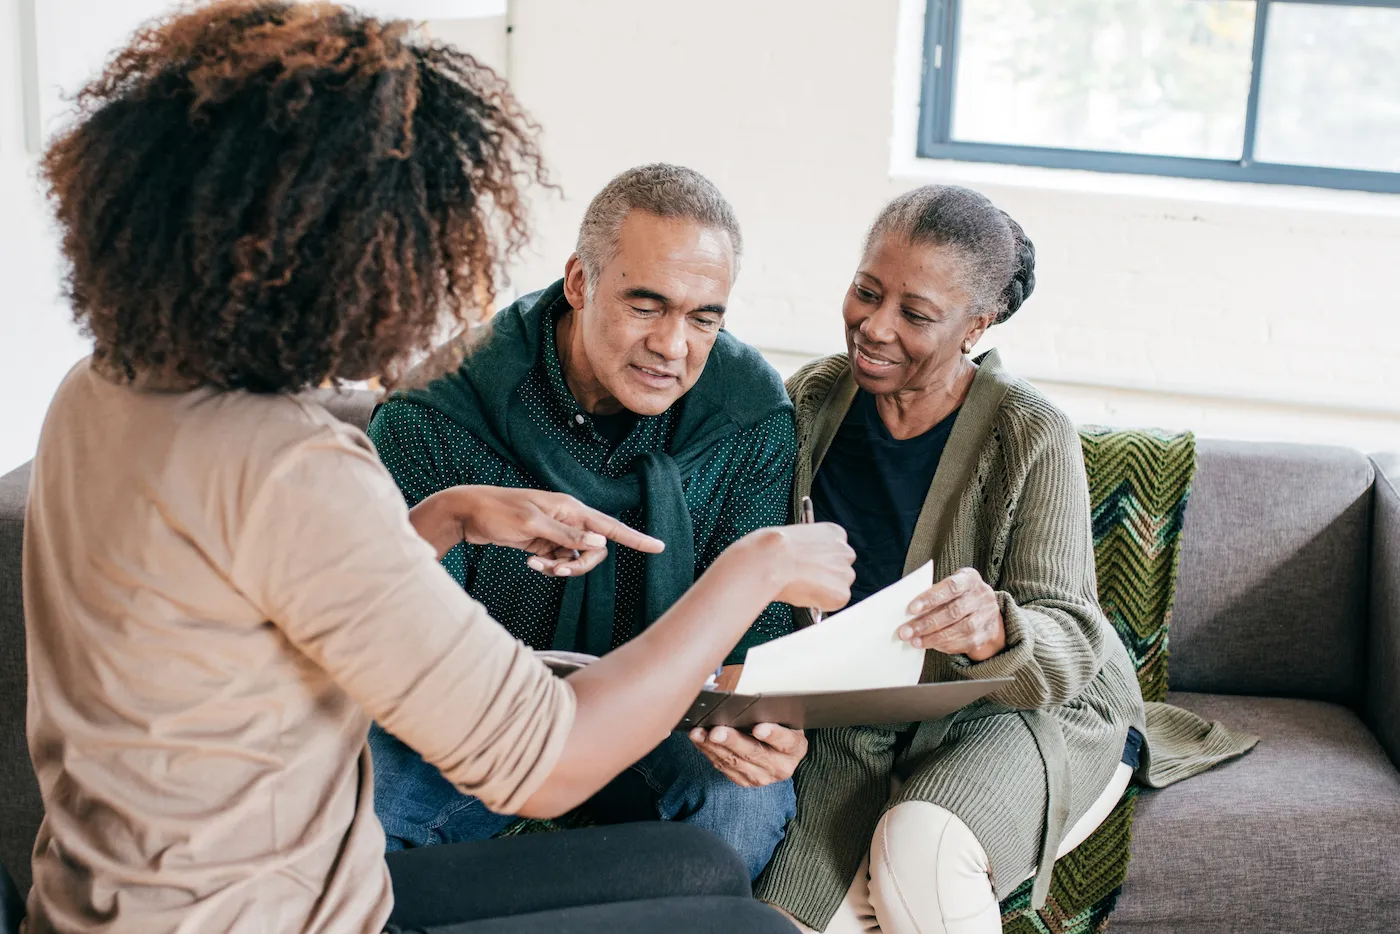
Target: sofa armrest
x: 20, y: 808
x: 353, y: 406
x: 1383, y: 675
x: 11, y: 905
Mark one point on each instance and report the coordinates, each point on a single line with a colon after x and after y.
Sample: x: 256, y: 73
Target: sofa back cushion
x: 1272, y: 587
x: 352, y: 406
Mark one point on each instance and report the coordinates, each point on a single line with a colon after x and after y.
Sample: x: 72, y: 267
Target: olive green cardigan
x: 1010, y: 499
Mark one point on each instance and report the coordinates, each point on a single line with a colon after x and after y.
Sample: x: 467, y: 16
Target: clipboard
x: 812, y: 710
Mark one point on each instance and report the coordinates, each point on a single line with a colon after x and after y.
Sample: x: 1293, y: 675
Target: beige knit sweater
x: 1010, y: 499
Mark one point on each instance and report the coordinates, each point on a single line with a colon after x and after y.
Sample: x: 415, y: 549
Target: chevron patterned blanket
x: 1139, y: 482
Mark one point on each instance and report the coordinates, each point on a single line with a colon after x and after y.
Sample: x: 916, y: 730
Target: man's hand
x: 770, y: 755
x: 565, y: 536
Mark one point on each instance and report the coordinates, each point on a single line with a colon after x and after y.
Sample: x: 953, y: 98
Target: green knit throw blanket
x: 1139, y: 482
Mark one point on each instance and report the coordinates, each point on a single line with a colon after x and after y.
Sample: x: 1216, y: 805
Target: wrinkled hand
x: 957, y: 616
x: 565, y: 536
x: 770, y: 755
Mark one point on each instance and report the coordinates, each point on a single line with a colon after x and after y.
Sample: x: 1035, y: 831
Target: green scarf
x: 736, y: 391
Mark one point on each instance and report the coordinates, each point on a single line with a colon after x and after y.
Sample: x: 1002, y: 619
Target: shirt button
x: 578, y: 419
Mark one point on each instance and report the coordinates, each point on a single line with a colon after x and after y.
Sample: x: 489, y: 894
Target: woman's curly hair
x: 264, y: 195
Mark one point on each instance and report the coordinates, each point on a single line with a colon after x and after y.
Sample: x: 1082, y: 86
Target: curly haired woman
x: 222, y: 584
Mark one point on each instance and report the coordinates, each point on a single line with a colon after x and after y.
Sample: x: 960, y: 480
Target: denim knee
x: 417, y: 806
x: 752, y: 820
x: 690, y: 789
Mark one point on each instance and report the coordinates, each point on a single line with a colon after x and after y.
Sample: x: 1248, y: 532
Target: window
x: 1297, y: 92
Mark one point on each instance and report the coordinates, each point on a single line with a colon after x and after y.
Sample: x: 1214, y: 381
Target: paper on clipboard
x: 852, y: 650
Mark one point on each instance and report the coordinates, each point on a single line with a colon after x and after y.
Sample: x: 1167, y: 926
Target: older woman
x: 924, y: 453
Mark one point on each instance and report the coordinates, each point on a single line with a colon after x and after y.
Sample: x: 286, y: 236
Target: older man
x: 618, y: 385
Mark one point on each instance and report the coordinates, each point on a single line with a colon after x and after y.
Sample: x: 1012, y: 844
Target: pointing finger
x: 605, y: 525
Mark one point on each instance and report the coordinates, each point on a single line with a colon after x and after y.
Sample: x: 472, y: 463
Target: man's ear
x: 575, y: 282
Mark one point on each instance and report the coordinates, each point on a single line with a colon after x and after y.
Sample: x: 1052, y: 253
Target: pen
x: 713, y: 680
x: 809, y: 516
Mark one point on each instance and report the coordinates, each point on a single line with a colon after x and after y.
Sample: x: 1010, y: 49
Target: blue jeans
x: 674, y: 782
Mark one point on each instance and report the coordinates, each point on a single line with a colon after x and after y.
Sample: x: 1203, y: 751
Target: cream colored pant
x: 927, y: 874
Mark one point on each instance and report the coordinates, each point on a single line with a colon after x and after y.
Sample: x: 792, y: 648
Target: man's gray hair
x: 660, y: 189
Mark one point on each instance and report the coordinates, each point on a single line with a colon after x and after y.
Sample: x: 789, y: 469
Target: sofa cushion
x: 1383, y: 682
x: 11, y: 905
x: 1301, y: 834
x: 1272, y: 588
x: 20, y: 808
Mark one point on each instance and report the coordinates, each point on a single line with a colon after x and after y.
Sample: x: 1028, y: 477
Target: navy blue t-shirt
x: 874, y: 485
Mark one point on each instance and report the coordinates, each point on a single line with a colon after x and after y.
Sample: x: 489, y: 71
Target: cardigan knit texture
x: 1010, y: 499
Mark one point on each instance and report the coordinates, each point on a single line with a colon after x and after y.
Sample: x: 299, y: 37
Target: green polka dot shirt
x: 744, y: 485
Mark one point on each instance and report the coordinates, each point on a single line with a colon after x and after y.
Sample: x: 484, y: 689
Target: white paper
x: 852, y: 650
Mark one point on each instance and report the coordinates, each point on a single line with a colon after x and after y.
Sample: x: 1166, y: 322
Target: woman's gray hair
x: 997, y: 258
x: 660, y: 189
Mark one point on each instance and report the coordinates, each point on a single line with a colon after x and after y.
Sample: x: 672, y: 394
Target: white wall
x: 38, y: 342
x: 1235, y: 310
x: 72, y: 38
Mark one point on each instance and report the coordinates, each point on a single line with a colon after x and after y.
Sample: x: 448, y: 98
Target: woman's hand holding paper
x: 564, y: 536
x: 957, y: 616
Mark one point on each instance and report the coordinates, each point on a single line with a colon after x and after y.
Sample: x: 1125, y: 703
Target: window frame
x: 939, y: 79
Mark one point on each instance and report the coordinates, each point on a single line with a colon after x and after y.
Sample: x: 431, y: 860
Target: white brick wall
x: 1236, y: 310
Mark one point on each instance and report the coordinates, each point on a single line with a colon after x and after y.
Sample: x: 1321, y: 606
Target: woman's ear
x: 978, y: 327
x: 575, y: 282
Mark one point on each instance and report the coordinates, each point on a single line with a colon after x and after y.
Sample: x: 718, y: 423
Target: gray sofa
x: 1287, y: 624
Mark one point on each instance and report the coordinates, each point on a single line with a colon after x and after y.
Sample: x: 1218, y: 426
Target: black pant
x: 619, y: 879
